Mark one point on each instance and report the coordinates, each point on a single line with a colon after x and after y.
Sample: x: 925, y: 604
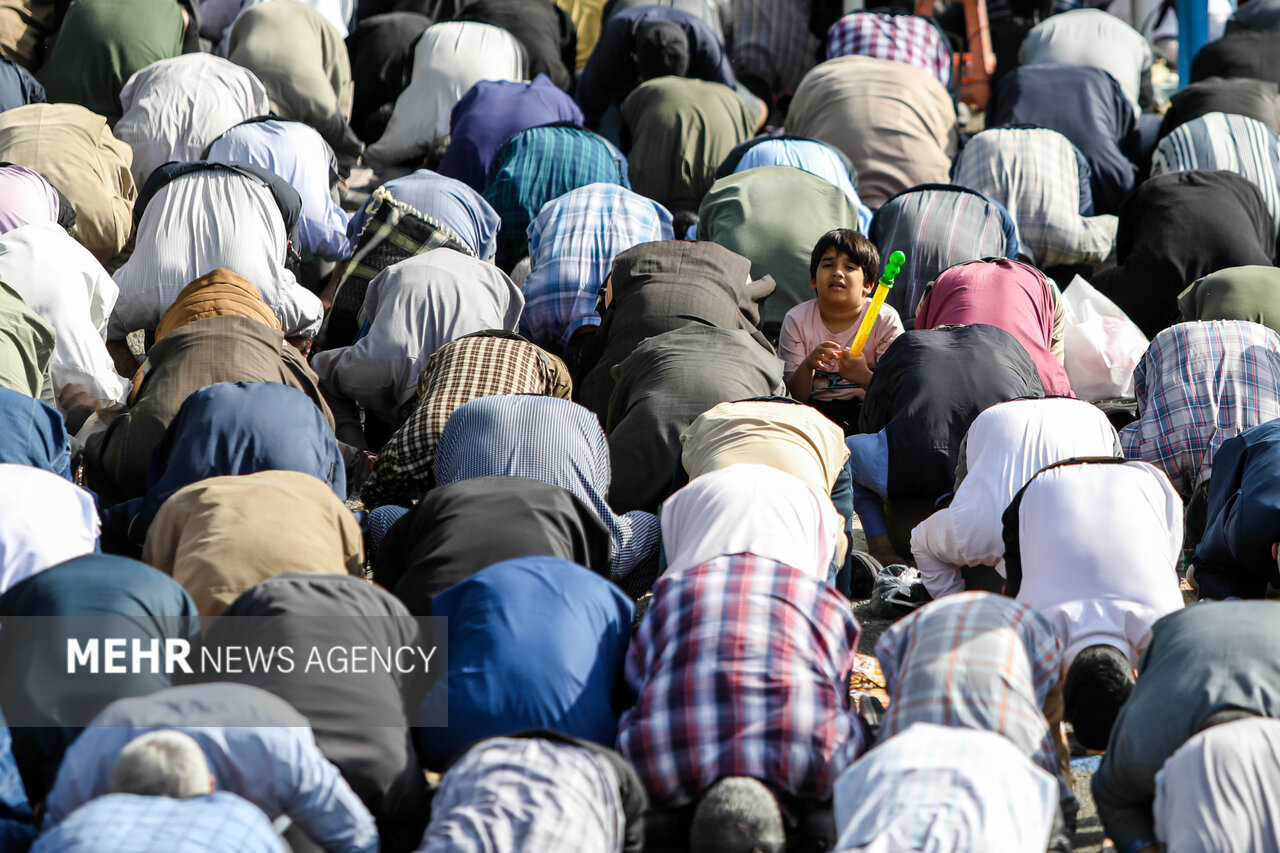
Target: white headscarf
x: 1005, y: 446
x: 934, y: 789
x: 196, y: 223
x: 751, y: 509
x: 44, y: 520
x: 175, y: 107
x: 414, y: 308
x: 1100, y: 546
x: 448, y: 59
x: 63, y: 282
x: 1221, y: 791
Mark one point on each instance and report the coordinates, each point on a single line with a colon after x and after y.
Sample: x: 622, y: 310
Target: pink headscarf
x: 1007, y: 294
x: 25, y: 197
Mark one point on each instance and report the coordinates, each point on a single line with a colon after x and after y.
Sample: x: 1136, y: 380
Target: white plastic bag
x: 1101, y: 343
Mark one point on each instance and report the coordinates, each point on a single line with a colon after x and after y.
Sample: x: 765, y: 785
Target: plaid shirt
x: 573, y: 243
x: 526, y: 794
x: 978, y: 661
x: 1043, y: 181
x: 1229, y: 143
x: 897, y: 38
x: 541, y: 164
x: 470, y: 367
x: 742, y: 668
x: 130, y: 823
x: 1197, y: 385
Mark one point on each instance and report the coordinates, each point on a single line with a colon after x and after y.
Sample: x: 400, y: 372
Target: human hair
x: 161, y: 763
x: 737, y: 815
x: 848, y: 242
x: 1224, y: 716
x: 1098, y: 683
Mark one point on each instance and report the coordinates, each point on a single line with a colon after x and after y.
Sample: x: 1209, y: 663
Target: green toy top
x: 896, y: 260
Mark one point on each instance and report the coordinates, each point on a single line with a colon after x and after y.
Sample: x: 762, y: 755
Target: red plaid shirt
x: 896, y: 38
x: 742, y: 668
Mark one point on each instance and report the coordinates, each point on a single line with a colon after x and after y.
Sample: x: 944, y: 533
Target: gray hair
x: 737, y: 815
x: 162, y: 763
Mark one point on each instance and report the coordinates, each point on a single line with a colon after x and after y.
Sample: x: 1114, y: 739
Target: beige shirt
x: 73, y: 149
x: 895, y: 122
x: 221, y: 536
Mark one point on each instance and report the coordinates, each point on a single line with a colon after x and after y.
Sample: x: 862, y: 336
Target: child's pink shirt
x: 803, y: 330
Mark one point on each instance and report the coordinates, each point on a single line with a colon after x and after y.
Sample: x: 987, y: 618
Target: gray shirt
x: 1201, y: 660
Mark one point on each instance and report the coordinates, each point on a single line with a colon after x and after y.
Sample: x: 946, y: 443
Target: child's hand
x: 854, y: 368
x: 826, y: 356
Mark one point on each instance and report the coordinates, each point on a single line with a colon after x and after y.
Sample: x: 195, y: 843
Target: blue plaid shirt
x: 1197, y: 385
x: 128, y: 823
x: 573, y: 243
x: 541, y: 164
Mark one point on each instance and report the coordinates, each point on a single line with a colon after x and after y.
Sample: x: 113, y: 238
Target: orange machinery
x: 978, y: 62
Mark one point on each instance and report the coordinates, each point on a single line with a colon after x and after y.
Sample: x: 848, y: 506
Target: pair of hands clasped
x: 830, y: 357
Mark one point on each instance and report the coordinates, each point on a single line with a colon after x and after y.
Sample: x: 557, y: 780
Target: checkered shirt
x: 1043, y: 181
x: 973, y: 660
x: 526, y: 794
x: 130, y: 823
x: 541, y: 164
x: 896, y: 38
x: 1228, y: 143
x: 573, y: 243
x: 1197, y: 385
x: 461, y: 370
x: 742, y: 668
x: 978, y: 661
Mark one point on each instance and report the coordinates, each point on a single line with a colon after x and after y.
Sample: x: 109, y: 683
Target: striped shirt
x: 897, y: 38
x: 1227, y: 143
x: 201, y: 221
x: 772, y: 41
x: 1043, y: 181
x: 937, y: 788
x: 1198, y: 385
x: 573, y: 242
x: 938, y: 226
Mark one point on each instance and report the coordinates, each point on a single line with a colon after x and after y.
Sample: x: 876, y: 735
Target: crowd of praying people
x: 551, y: 353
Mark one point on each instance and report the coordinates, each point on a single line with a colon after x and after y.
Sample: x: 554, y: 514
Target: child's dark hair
x: 846, y: 241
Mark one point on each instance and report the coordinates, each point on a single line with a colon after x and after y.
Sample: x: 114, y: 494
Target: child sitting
x: 815, y: 337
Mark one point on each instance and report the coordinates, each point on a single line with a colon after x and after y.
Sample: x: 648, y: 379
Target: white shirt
x: 175, y: 107
x: 44, y: 520
x: 337, y: 12
x: 1099, y: 547
x: 298, y: 153
x: 192, y: 226
x: 1005, y: 446
x: 933, y: 788
x: 63, y: 282
x: 448, y: 60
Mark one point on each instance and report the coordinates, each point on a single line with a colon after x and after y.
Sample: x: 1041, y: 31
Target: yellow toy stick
x: 896, y: 260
